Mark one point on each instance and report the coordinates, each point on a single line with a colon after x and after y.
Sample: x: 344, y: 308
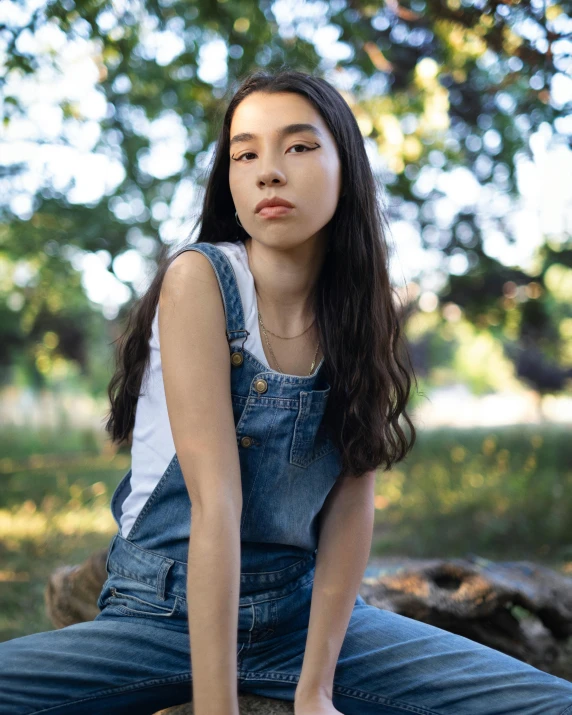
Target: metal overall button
x: 237, y: 359
x: 260, y: 385
x: 246, y: 441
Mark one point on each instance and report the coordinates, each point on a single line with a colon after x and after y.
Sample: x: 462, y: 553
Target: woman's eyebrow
x: 281, y: 132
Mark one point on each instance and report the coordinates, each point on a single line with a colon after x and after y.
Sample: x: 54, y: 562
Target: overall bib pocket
x: 310, y: 441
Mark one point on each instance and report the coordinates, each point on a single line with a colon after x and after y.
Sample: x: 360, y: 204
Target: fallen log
x: 518, y: 607
x: 71, y: 593
x: 247, y: 705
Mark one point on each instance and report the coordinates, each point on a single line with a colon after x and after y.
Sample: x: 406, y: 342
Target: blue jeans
x: 135, y: 656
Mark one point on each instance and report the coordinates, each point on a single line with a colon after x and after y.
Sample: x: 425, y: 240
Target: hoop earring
x: 237, y: 221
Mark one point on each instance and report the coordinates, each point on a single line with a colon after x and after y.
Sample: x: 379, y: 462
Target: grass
x: 54, y: 510
x: 502, y: 493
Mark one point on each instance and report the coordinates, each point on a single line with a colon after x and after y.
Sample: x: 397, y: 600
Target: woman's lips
x: 274, y: 211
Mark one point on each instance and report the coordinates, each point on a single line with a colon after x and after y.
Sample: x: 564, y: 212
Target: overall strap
x: 226, y: 277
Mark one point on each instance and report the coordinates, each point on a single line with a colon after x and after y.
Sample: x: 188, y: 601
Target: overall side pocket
x: 134, y: 598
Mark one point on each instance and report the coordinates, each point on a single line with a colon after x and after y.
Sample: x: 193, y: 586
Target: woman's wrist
x: 312, y: 693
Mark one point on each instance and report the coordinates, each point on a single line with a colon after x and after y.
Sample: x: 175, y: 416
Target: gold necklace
x: 272, y: 351
x: 283, y: 337
x: 291, y: 337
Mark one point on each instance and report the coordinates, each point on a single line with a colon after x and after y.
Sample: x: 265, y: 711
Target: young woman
x: 262, y: 379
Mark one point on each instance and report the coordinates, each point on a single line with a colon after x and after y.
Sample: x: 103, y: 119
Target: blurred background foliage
x: 110, y: 110
x: 446, y: 93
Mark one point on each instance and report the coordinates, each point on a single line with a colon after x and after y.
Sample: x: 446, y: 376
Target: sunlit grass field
x: 54, y: 510
x: 501, y: 493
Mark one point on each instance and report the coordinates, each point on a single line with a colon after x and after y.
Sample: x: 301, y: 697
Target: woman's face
x: 302, y: 167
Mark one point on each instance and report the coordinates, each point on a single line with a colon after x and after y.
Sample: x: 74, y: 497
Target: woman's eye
x: 303, y: 147
x: 250, y: 153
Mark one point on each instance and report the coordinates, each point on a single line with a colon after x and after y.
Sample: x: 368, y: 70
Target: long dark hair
x: 358, y: 322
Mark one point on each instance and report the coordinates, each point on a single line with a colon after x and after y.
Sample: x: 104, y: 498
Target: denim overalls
x: 288, y: 464
x: 135, y: 655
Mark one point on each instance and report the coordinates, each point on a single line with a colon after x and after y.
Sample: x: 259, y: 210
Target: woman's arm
x: 212, y: 592
x: 346, y: 527
x: 196, y: 374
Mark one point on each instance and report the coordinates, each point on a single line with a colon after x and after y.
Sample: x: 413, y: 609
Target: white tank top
x: 153, y: 447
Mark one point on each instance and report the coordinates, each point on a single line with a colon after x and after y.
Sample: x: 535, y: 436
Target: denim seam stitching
x: 130, y: 611
x: 276, y: 598
x: 363, y: 695
x: 153, y: 553
x: 299, y: 586
x: 152, y: 497
x: 260, y: 461
x: 134, y: 613
x: 120, y: 594
x: 279, y: 403
x: 298, y: 455
x: 286, y: 568
x: 251, y: 625
x: 568, y: 711
x: 342, y: 690
x: 243, y: 415
x: 282, y: 377
x: 121, y: 689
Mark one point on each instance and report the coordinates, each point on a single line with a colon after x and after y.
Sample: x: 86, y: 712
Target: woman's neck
x: 284, y: 282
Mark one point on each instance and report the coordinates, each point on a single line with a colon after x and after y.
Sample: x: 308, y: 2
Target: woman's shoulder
x: 234, y: 250
x: 236, y: 253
